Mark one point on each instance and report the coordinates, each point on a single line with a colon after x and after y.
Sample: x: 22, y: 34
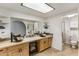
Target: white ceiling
x: 59, y: 8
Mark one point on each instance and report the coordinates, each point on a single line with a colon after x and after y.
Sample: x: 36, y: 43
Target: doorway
x: 70, y: 33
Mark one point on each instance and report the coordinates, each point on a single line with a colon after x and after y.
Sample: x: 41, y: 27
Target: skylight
x: 41, y: 7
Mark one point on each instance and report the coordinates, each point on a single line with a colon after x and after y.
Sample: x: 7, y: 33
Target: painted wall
x: 55, y: 28
x: 6, y: 31
x: 66, y: 30
x: 10, y: 13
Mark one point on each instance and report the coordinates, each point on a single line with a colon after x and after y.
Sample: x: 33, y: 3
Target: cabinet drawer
x: 17, y: 46
x: 12, y: 48
x: 19, y: 50
x: 14, y: 53
x: 42, y: 44
x: 25, y: 49
x: 3, y: 52
x: 24, y: 45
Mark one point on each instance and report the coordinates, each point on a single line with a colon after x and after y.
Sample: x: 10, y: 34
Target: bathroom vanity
x: 8, y: 48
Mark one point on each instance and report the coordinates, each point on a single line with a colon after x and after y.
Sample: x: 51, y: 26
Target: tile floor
x: 67, y: 51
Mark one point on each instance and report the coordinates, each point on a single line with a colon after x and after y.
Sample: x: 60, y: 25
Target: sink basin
x: 41, y: 35
x: 2, y: 40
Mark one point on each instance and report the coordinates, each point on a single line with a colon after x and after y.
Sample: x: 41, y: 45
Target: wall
x: 55, y: 28
x: 66, y: 30
x: 6, y: 31
x: 10, y: 13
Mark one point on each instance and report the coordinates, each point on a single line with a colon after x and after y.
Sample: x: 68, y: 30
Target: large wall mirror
x: 18, y: 27
x: 27, y: 27
x: 30, y: 27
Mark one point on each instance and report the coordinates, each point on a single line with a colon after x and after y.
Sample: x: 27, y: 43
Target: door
x: 49, y: 42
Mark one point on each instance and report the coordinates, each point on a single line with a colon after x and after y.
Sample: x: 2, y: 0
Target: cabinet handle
x: 44, y: 41
x: 20, y: 50
x: 1, y: 50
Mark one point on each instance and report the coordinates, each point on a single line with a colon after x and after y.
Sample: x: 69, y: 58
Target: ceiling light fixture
x: 72, y: 15
x: 41, y: 7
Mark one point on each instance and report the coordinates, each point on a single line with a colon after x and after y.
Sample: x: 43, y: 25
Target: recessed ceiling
x: 59, y: 8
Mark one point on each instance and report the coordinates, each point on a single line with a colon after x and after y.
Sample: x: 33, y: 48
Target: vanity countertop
x: 8, y: 43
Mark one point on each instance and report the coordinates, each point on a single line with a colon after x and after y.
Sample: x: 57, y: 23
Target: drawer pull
x: 1, y: 50
x: 20, y: 50
x: 44, y: 41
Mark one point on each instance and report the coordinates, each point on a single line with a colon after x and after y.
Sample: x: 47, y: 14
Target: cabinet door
x: 25, y: 50
x: 41, y: 45
x: 3, y: 52
x: 19, y: 50
x: 46, y: 43
x: 50, y: 41
x: 13, y: 51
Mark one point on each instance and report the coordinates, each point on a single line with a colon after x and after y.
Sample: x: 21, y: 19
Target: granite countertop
x: 8, y: 43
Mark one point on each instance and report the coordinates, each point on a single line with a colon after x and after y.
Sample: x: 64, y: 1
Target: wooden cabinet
x: 22, y: 49
x: 3, y: 52
x: 16, y: 50
x: 44, y: 44
x: 19, y: 50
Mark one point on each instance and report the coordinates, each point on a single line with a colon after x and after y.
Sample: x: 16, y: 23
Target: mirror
x: 18, y: 27
x: 30, y: 28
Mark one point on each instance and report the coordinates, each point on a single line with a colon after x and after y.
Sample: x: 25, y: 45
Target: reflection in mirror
x: 30, y: 28
x: 18, y: 27
x: 36, y: 27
